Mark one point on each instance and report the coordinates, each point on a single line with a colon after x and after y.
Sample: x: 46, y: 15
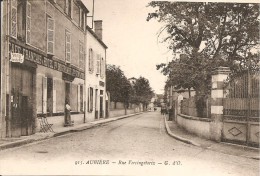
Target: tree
x: 209, y: 35
x: 143, y: 91
x: 118, y: 85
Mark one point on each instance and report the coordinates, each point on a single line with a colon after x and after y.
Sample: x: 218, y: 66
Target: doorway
x: 21, y: 100
x: 49, y: 96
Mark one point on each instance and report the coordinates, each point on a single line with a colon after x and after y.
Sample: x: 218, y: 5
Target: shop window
x: 14, y: 18
x: 67, y: 46
x: 81, y: 55
x: 50, y: 35
x: 91, y: 61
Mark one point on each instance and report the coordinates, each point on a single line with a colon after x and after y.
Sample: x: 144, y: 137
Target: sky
x: 132, y: 41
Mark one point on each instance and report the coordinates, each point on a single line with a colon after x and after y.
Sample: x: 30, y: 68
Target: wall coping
x: 195, y: 118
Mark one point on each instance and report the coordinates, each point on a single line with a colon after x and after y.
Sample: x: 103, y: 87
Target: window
x: 76, y: 13
x: 50, y: 35
x: 67, y: 46
x: 65, y: 5
x: 62, y: 4
x: 81, y: 55
x: 68, y: 7
x: 14, y: 18
x: 91, y: 61
x: 82, y: 19
x: 98, y: 64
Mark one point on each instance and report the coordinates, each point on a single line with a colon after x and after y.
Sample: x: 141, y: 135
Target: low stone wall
x: 195, y: 125
x: 121, y: 112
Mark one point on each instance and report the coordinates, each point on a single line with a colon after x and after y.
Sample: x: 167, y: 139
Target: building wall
x: 50, y: 72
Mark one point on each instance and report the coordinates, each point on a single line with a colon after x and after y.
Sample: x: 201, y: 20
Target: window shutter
x: 50, y: 35
x: 14, y: 19
x: 98, y: 64
x: 102, y: 68
x: 68, y: 46
x: 44, y: 96
x: 81, y: 55
x: 28, y: 23
x: 54, y: 96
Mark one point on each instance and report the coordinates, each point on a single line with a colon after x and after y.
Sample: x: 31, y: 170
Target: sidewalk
x: 58, y: 130
x: 232, y: 149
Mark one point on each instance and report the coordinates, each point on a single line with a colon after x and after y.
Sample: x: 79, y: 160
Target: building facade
x: 97, y: 100
x: 43, y: 62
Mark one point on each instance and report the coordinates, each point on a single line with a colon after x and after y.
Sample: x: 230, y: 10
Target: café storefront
x: 30, y: 78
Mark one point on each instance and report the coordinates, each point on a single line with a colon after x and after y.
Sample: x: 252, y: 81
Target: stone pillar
x: 219, y: 75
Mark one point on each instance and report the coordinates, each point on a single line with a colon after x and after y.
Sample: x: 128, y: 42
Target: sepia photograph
x: 130, y: 87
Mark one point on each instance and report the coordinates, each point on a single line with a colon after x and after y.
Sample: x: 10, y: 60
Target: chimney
x: 98, y: 28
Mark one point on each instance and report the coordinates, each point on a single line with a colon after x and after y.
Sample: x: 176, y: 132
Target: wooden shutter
x: 44, y: 94
x: 68, y: 46
x: 14, y: 18
x: 28, y: 22
x: 54, y: 96
x: 98, y: 64
x: 50, y: 35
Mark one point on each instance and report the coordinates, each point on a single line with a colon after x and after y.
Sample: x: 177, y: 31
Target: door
x: 49, y: 96
x: 21, y: 101
x: 101, y: 107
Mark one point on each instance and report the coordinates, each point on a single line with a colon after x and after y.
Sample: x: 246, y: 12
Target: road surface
x: 138, y: 145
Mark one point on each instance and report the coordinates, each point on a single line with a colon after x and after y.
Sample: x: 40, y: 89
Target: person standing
x: 67, y: 114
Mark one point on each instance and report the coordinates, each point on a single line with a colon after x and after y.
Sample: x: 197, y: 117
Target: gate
x: 241, y: 110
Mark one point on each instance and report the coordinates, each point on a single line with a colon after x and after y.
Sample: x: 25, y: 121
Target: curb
x: 187, y: 141
x: 76, y: 129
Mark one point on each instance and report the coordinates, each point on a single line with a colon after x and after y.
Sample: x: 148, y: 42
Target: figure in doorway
x: 68, y: 121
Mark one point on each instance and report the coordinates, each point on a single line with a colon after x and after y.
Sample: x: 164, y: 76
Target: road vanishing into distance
x: 138, y: 145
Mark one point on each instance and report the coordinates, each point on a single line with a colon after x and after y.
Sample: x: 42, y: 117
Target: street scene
x: 97, y: 87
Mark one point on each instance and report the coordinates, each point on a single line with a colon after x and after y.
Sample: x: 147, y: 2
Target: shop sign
x: 18, y: 54
x: 17, y: 57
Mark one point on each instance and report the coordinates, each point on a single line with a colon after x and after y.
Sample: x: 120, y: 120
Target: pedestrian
x: 67, y: 113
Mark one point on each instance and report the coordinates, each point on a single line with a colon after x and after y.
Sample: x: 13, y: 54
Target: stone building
x: 44, y: 62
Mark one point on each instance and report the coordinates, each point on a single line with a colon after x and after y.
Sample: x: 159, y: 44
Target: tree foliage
x: 117, y: 84
x: 143, y: 92
x: 121, y: 90
x: 208, y: 35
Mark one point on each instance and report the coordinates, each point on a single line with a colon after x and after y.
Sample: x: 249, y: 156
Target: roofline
x: 95, y: 35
